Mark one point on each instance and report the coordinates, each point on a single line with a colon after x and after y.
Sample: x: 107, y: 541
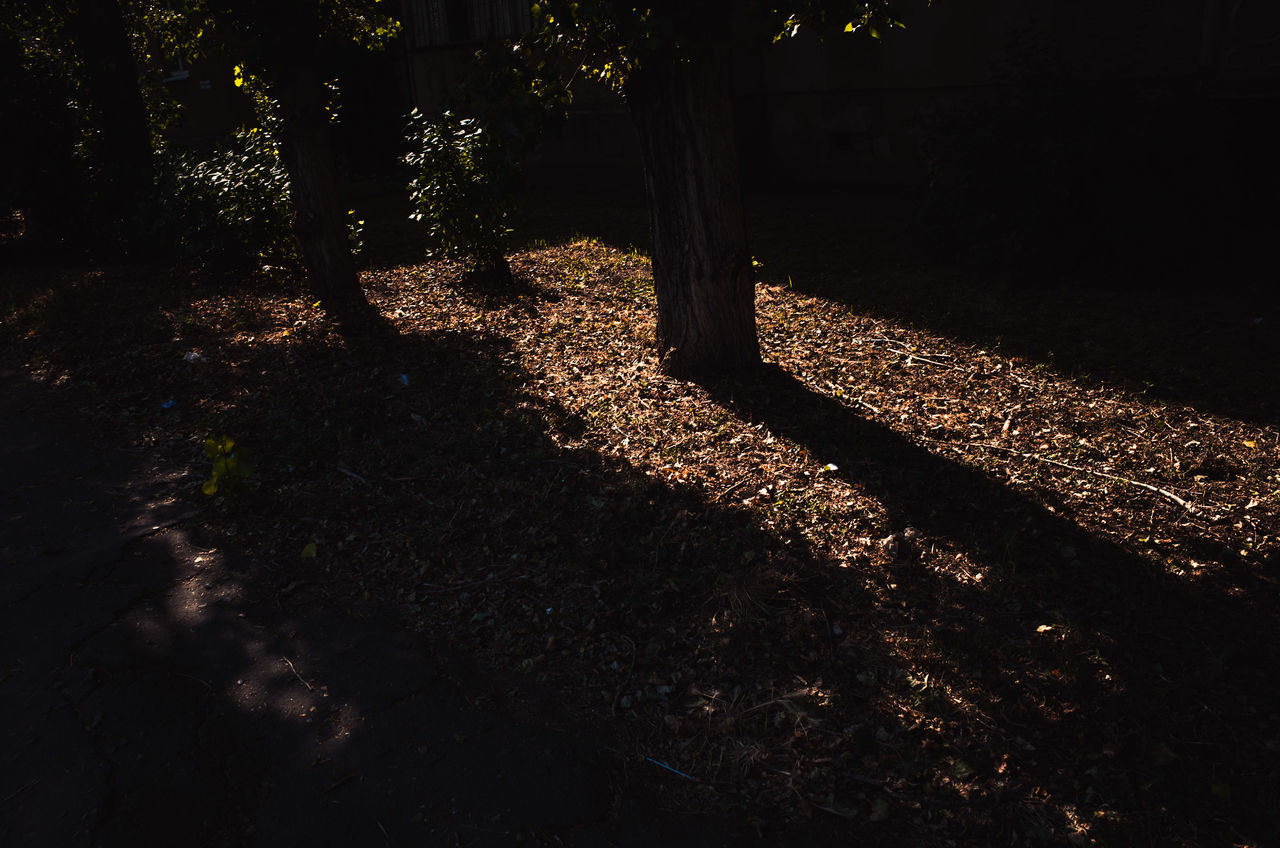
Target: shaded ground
x: 160, y: 691
x: 906, y: 585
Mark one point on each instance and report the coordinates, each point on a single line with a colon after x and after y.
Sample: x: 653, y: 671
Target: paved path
x: 151, y: 695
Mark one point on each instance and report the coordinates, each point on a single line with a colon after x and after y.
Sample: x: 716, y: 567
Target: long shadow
x: 1146, y: 690
x: 299, y: 710
x: 213, y: 692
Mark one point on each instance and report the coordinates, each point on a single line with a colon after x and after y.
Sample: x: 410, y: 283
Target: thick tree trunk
x: 701, y: 267
x: 319, y: 219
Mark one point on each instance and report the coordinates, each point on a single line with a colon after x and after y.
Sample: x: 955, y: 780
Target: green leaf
x: 210, y: 487
x: 308, y: 551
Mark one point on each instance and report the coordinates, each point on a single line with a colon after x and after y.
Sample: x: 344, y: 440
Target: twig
x: 1187, y: 505
x: 736, y: 485
x: 19, y: 791
x: 289, y: 663
x: 839, y: 392
x: 353, y: 475
x: 920, y: 358
x: 835, y: 811
x: 436, y: 588
x: 888, y: 346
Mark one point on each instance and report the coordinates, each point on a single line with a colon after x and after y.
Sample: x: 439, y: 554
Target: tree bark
x: 112, y: 87
x: 702, y: 276
x: 319, y: 219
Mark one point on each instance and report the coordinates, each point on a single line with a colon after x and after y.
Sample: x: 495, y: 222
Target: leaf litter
x: 898, y: 578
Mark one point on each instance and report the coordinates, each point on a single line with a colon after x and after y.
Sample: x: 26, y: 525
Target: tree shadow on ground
x: 205, y: 692
x: 457, y: 522
x: 1138, y: 695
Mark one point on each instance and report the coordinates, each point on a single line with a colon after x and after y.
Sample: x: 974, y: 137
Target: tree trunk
x: 702, y: 276
x: 319, y: 219
x: 111, y: 83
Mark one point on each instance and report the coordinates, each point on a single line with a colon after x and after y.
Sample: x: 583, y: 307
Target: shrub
x: 233, y: 206
x: 231, y: 466
x: 462, y: 189
x: 230, y: 207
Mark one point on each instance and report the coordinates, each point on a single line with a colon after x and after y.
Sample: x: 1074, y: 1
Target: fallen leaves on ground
x: 896, y: 578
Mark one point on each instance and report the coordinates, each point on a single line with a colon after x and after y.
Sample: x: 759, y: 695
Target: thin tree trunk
x: 112, y: 85
x: 319, y: 219
x: 701, y: 267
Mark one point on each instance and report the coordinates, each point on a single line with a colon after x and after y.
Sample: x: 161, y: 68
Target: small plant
x: 462, y: 190
x: 234, y: 205
x: 232, y: 466
x: 467, y: 172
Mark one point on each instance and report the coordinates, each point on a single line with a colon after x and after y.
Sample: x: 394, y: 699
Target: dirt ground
x: 971, y: 561
x: 158, y: 690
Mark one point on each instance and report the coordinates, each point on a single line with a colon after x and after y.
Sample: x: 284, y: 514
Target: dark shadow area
x: 1145, y: 688
x: 189, y: 687
x: 232, y: 691
x: 617, y: 216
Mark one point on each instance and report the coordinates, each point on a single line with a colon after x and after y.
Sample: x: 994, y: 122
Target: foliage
x: 43, y: 167
x: 232, y: 465
x: 512, y: 93
x: 61, y: 162
x: 233, y: 206
x: 609, y: 40
x: 252, y: 31
x: 462, y: 188
x: 230, y: 207
x: 466, y: 172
